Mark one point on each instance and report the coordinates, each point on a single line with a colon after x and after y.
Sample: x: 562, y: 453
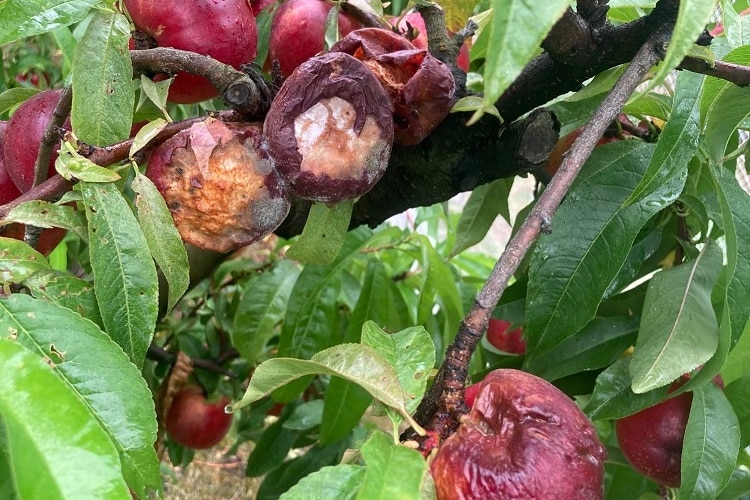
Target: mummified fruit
x: 420, y: 87
x: 330, y: 129
x: 220, y: 184
x: 523, y: 439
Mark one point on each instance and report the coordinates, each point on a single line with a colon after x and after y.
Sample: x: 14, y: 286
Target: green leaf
x: 518, y: 28
x: 117, y: 396
x: 15, y: 96
x: 572, y: 269
x: 18, y: 261
x: 354, y: 362
x: 103, y: 97
x: 711, y: 445
x: 480, y: 211
x: 392, y: 470
x: 613, y: 398
x: 22, y: 18
x: 738, y: 486
x: 410, y: 351
x: 164, y: 241
x: 53, y: 453
x: 72, y: 166
x: 145, y: 134
x: 272, y: 447
x: 324, y: 233
x: 45, y: 214
x: 679, y: 330
x: 125, y: 278
x: 738, y: 394
x: 345, y: 403
x: 262, y: 307
x: 67, y: 291
x: 340, y: 482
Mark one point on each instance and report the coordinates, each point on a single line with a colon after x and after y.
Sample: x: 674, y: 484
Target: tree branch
x: 731, y: 72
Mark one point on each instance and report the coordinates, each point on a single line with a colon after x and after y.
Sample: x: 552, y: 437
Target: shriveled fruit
x: 24, y: 135
x: 222, y: 29
x: 523, y: 438
x: 503, y: 338
x: 330, y: 129
x: 194, y: 422
x: 298, y: 32
x: 421, y: 88
x: 220, y: 184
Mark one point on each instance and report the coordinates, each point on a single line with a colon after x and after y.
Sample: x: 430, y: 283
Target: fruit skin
x: 298, y: 32
x: 421, y: 88
x: 8, y: 189
x: 504, y: 339
x: 652, y: 439
x: 196, y: 423
x: 415, y: 20
x: 24, y: 135
x: 220, y: 184
x: 330, y: 129
x: 222, y: 29
x: 523, y: 438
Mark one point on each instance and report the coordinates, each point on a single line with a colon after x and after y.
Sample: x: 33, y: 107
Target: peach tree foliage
x: 650, y: 250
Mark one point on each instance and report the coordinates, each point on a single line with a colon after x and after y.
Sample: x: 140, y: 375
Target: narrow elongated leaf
x: 272, y: 447
x: 18, y: 261
x: 392, y: 470
x: 162, y: 237
x: 572, y: 269
x: 117, y: 397
x: 345, y: 403
x: 711, y: 445
x: 339, y: 482
x: 324, y: 233
x: 354, y: 362
x: 484, y: 205
x: 518, y: 28
x: 125, y: 279
x: 22, y: 18
x: 53, y: 453
x: 45, y: 214
x: 738, y: 394
x: 103, y: 96
x: 679, y: 330
x: 263, y: 306
x: 68, y: 291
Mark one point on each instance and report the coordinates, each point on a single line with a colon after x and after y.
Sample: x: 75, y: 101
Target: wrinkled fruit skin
x: 418, y: 28
x: 196, y: 423
x: 421, y: 88
x: 222, y: 29
x: 652, y: 439
x: 523, y: 439
x: 220, y: 184
x: 503, y: 338
x: 24, y: 135
x: 330, y: 129
x: 298, y: 32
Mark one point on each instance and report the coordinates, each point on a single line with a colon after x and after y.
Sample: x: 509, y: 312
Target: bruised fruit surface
x: 222, y: 29
x: 421, y: 88
x: 298, y: 32
x: 330, y: 129
x: 523, y: 439
x: 220, y: 184
x: 24, y: 135
x: 196, y: 423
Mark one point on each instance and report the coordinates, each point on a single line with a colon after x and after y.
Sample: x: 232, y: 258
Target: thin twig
x: 735, y: 73
x: 156, y: 353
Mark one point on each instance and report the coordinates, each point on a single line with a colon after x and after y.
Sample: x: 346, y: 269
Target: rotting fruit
x: 503, y: 338
x: 412, y: 25
x: 222, y: 29
x: 24, y: 136
x: 298, y: 32
x: 330, y: 129
x: 523, y: 438
x: 421, y: 88
x: 652, y: 439
x: 196, y: 423
x: 220, y: 184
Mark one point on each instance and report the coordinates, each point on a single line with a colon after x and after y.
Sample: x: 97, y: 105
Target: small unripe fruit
x: 220, y: 184
x: 196, y: 423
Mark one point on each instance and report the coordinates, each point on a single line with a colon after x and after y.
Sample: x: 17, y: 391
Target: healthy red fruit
x: 330, y: 129
x: 420, y: 87
x: 503, y: 338
x: 652, y: 439
x: 298, y: 32
x: 523, y: 438
x: 220, y: 184
x: 24, y: 135
x: 222, y: 29
x: 418, y: 28
x: 8, y: 189
x: 196, y: 423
